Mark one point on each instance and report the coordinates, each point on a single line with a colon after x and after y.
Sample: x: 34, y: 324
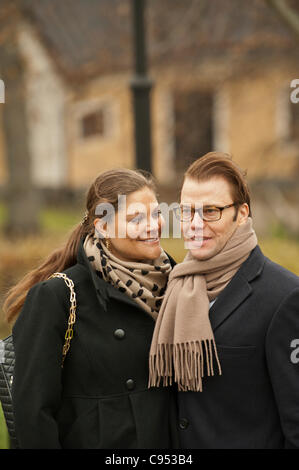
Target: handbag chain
x: 72, y: 315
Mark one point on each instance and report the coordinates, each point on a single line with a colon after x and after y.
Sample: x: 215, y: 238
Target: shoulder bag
x: 7, y: 362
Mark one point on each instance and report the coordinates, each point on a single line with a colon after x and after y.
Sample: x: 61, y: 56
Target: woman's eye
x: 156, y: 214
x: 137, y: 219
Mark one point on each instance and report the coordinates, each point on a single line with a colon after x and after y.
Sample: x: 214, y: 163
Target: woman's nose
x: 154, y: 224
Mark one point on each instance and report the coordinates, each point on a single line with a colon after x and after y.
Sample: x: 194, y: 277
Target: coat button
x: 119, y: 333
x: 183, y: 424
x: 130, y: 384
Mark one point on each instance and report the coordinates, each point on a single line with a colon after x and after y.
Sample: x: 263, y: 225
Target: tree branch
x: 287, y: 14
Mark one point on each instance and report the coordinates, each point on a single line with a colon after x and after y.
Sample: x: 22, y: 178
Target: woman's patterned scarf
x: 145, y: 282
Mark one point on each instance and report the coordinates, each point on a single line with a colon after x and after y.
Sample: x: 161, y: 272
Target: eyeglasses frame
x: 216, y: 207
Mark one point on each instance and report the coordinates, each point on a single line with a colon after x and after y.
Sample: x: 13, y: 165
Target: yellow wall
x: 89, y: 157
x: 252, y: 124
x: 254, y: 112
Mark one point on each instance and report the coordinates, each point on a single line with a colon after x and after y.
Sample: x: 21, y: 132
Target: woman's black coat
x: 100, y: 398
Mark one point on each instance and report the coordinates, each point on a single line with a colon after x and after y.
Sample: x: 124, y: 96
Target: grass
x: 4, y: 444
x: 18, y: 258
x: 282, y: 251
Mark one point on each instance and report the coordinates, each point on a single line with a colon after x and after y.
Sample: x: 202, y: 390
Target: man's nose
x: 197, y: 221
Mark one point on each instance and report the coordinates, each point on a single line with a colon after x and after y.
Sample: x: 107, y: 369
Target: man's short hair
x: 219, y: 164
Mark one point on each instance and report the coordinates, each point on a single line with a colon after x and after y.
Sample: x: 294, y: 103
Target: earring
x: 107, y: 243
x: 85, y: 218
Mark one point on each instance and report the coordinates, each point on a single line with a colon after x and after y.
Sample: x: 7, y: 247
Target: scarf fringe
x: 188, y: 360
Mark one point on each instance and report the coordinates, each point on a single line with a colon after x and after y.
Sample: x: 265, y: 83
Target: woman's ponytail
x: 57, y: 261
x: 106, y: 188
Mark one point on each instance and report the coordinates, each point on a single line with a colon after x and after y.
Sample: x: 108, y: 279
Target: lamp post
x: 141, y: 87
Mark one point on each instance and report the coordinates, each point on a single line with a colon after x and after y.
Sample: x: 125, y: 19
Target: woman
x: 100, y: 398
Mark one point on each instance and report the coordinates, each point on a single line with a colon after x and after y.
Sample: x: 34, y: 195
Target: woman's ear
x: 100, y: 228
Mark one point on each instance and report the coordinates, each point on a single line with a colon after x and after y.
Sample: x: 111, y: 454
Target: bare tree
x: 21, y: 199
x: 289, y: 15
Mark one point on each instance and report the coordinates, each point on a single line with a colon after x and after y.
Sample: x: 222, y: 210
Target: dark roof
x: 87, y: 38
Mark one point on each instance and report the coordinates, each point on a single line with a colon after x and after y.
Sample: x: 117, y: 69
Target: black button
x: 130, y: 384
x: 183, y: 424
x: 119, y: 333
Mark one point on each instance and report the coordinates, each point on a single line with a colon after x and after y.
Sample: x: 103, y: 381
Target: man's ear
x: 100, y: 228
x: 243, y: 214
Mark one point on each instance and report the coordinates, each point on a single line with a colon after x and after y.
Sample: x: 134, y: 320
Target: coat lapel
x: 230, y: 298
x: 239, y: 288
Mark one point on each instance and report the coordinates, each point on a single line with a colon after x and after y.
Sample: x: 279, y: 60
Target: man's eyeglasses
x: 206, y: 213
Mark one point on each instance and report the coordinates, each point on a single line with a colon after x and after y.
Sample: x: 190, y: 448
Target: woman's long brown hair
x: 106, y: 188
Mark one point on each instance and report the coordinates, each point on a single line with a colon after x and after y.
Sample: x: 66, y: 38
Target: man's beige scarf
x: 183, y: 340
x: 145, y: 282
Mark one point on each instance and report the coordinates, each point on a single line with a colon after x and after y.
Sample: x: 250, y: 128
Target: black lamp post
x: 141, y: 86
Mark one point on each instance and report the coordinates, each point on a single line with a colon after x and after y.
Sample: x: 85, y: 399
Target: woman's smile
x: 150, y: 241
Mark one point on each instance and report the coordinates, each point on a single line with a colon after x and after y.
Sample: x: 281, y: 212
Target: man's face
x: 206, y: 239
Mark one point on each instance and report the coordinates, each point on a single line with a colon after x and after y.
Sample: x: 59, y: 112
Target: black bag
x: 7, y: 363
x: 7, y: 358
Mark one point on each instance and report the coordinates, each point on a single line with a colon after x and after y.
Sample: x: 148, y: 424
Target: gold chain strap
x: 72, y: 316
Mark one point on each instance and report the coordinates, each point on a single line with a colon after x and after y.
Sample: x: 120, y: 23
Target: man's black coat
x: 100, y: 398
x: 255, y: 402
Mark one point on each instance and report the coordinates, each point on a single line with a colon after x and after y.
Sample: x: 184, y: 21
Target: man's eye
x: 210, y: 211
x: 187, y: 214
x: 186, y: 210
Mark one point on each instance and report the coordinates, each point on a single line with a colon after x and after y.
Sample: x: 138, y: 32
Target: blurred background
x: 91, y: 85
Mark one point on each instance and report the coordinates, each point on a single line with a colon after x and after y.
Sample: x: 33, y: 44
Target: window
x: 93, y: 124
x: 193, y: 111
x: 287, y: 118
x: 96, y: 119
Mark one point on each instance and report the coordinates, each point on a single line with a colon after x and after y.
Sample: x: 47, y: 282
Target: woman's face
x: 134, y: 234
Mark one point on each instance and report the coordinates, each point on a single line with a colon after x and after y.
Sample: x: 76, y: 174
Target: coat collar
x: 238, y: 289
x: 99, y: 285
x: 106, y: 291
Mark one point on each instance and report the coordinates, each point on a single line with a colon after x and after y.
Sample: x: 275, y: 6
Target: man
x: 228, y: 322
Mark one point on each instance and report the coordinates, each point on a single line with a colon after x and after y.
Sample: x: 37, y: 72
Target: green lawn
x: 3, y: 432
x: 284, y: 251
